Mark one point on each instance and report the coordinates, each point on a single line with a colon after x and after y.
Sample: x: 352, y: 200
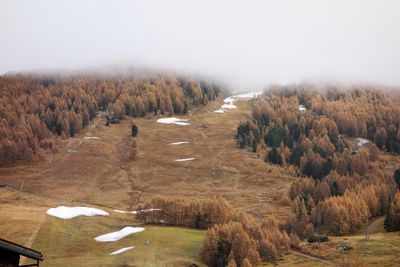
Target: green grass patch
x: 71, y: 242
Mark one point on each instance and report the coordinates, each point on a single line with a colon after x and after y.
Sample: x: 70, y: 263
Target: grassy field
x: 383, y: 249
x: 71, y: 242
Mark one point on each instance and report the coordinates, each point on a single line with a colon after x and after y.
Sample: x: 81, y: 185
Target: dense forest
x: 35, y: 110
x: 333, y: 136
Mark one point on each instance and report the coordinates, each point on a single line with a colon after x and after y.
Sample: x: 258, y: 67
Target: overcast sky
x: 245, y: 43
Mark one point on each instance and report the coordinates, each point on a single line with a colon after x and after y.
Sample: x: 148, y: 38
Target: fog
x: 246, y: 44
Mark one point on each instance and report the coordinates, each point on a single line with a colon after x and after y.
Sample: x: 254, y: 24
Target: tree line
x: 35, y: 110
x: 199, y: 214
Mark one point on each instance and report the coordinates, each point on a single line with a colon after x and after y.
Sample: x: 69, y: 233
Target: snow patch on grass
x: 136, y: 211
x: 122, y: 250
x: 229, y: 100
x: 179, y: 143
x: 173, y: 120
x: 72, y: 212
x: 91, y: 137
x: 228, y: 106
x: 187, y: 159
x: 360, y: 141
x: 115, y: 236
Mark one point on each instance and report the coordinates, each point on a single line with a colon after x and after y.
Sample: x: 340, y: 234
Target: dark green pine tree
x: 134, y: 130
x: 274, y: 157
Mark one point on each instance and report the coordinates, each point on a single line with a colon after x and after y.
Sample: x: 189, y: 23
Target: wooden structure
x: 10, y: 253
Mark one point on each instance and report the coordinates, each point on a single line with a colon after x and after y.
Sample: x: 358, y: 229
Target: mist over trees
x: 36, y: 110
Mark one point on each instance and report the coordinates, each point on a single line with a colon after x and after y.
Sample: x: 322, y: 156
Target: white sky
x: 245, y: 43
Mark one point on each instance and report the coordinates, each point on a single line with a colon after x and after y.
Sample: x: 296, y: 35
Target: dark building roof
x: 21, y: 250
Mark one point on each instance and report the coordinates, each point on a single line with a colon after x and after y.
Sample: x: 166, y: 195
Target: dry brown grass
x: 101, y: 173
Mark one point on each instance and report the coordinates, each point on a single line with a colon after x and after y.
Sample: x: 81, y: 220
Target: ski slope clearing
x: 187, y: 159
x: 63, y: 212
x: 246, y: 96
x: 173, y: 120
x: 229, y: 101
x: 115, y: 236
x: 122, y: 250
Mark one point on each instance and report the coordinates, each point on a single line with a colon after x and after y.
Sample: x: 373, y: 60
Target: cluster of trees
x: 35, y: 110
x: 338, y: 204
x: 245, y: 242
x: 183, y: 212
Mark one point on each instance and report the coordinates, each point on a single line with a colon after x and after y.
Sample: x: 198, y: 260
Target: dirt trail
x: 311, y: 257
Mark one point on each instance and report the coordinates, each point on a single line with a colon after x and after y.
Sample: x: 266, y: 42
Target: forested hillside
x: 35, y: 110
x: 336, y: 138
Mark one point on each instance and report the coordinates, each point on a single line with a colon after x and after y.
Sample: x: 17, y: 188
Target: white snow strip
x: 72, y: 212
x: 121, y: 211
x: 302, y: 108
x: 173, y: 120
x: 187, y: 159
x: 122, y: 250
x: 228, y: 106
x: 179, y: 143
x: 90, y: 137
x: 136, y: 211
x: 361, y: 141
x: 145, y: 210
x: 220, y: 110
x: 115, y: 236
x: 229, y: 100
x: 247, y: 96
x: 72, y: 151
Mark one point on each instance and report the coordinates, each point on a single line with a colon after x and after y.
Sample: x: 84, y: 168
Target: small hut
x: 10, y: 254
